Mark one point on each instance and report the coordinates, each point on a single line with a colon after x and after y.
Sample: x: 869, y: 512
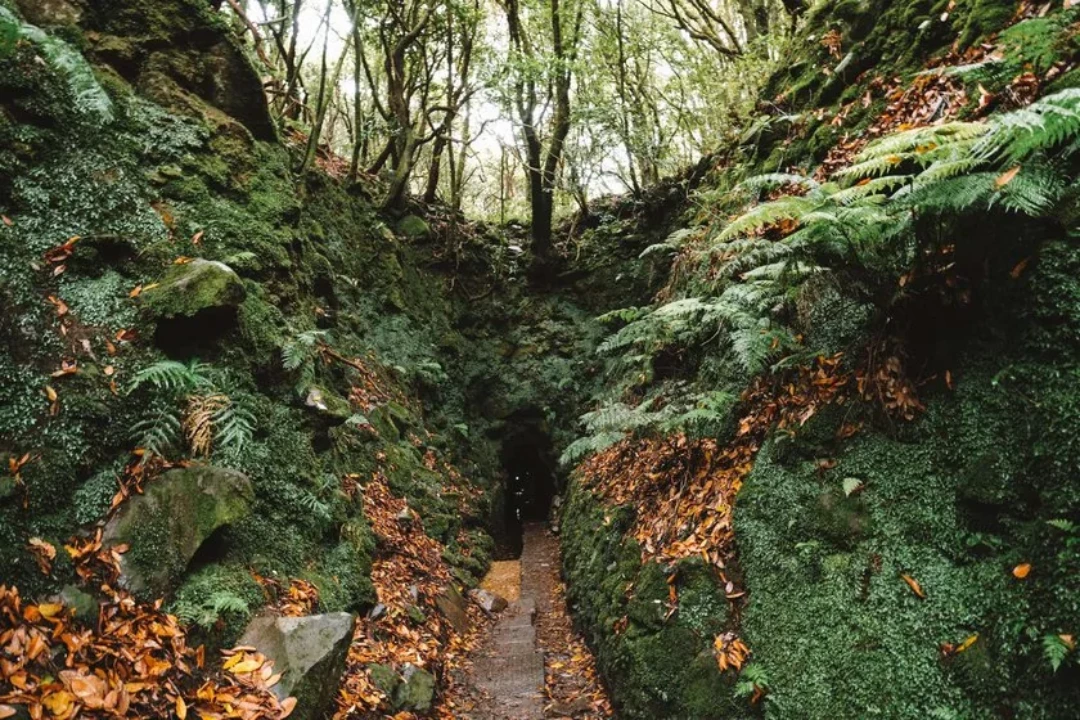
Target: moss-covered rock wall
x: 151, y: 217
x: 844, y: 515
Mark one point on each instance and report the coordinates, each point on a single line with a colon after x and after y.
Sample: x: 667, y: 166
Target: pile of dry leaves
x: 571, y: 681
x: 133, y: 662
x: 683, y: 490
x: 409, y: 574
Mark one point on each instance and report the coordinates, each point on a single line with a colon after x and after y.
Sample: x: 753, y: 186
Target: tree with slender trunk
x: 558, y: 56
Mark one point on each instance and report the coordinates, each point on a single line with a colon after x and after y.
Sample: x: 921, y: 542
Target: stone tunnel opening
x: 529, y: 462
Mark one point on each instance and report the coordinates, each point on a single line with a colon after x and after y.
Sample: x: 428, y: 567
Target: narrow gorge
x: 527, y: 359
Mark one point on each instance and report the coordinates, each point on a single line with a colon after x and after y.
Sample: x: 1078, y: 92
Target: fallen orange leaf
x: 1006, y: 177
x: 915, y: 586
x: 1021, y: 571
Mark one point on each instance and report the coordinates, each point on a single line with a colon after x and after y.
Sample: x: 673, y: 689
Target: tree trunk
x: 431, y: 192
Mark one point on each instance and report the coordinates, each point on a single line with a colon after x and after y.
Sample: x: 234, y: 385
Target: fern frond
x: 234, y: 426
x: 199, y: 421
x: 771, y: 181
x: 1042, y: 126
x: 922, y: 140
x: 956, y: 195
x: 172, y: 376
x: 867, y: 188
x: 588, y: 445
x: 158, y: 432
x: 789, y: 207
x: 1032, y: 191
x: 625, y: 315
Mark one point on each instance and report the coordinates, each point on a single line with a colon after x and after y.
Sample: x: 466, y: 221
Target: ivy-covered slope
x: 853, y: 402
x: 169, y: 287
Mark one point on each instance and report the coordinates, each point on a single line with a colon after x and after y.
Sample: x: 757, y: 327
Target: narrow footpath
x: 532, y: 665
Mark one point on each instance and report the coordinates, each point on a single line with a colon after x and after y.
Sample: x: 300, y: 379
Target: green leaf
x: 1055, y: 649
x: 852, y: 486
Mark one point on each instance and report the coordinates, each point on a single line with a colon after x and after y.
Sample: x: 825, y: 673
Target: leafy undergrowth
x: 132, y: 660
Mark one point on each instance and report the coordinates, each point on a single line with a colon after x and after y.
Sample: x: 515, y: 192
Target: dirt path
x: 533, y: 666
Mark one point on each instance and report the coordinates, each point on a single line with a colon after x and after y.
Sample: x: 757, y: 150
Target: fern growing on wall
x: 207, y: 610
x: 298, y: 356
x: 864, y: 219
x: 1016, y: 162
x: 699, y: 414
x: 187, y: 411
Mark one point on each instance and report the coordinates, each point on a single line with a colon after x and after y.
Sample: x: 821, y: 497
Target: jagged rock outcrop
x: 310, y: 654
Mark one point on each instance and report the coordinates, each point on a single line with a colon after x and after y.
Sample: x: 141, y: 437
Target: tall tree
x: 462, y: 26
x: 542, y: 62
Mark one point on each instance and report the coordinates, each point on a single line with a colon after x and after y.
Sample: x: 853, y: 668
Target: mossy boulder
x: 166, y: 525
x: 416, y: 691
x: 310, y: 654
x: 413, y: 227
x: 189, y: 289
x: 384, y: 677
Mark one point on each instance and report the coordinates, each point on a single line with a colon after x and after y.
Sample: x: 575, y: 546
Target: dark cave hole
x: 528, y: 459
x: 197, y: 336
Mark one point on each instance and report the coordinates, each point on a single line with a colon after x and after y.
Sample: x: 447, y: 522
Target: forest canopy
x: 507, y: 108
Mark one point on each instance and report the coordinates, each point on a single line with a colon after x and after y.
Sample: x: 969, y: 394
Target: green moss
x: 217, y: 601
x: 342, y: 577
x: 413, y: 227
x: 951, y: 506
x: 661, y: 665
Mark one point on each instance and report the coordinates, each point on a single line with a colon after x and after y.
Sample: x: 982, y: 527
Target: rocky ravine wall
x: 978, y: 486
x: 150, y: 217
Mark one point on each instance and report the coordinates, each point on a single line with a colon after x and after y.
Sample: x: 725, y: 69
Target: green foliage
x: 949, y: 170
x: 234, y: 425
x: 89, y: 99
x: 159, y: 432
x: 1056, y: 650
x: 753, y: 679
x: 172, y: 377
x: 208, y: 610
x: 699, y: 414
x: 187, y: 402
x: 299, y: 354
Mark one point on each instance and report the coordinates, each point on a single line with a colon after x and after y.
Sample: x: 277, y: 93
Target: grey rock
x: 310, y: 654
x: 377, y: 612
x: 488, y: 601
x: 166, y: 525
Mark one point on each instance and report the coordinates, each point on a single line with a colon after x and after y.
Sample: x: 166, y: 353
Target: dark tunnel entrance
x: 528, y: 459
